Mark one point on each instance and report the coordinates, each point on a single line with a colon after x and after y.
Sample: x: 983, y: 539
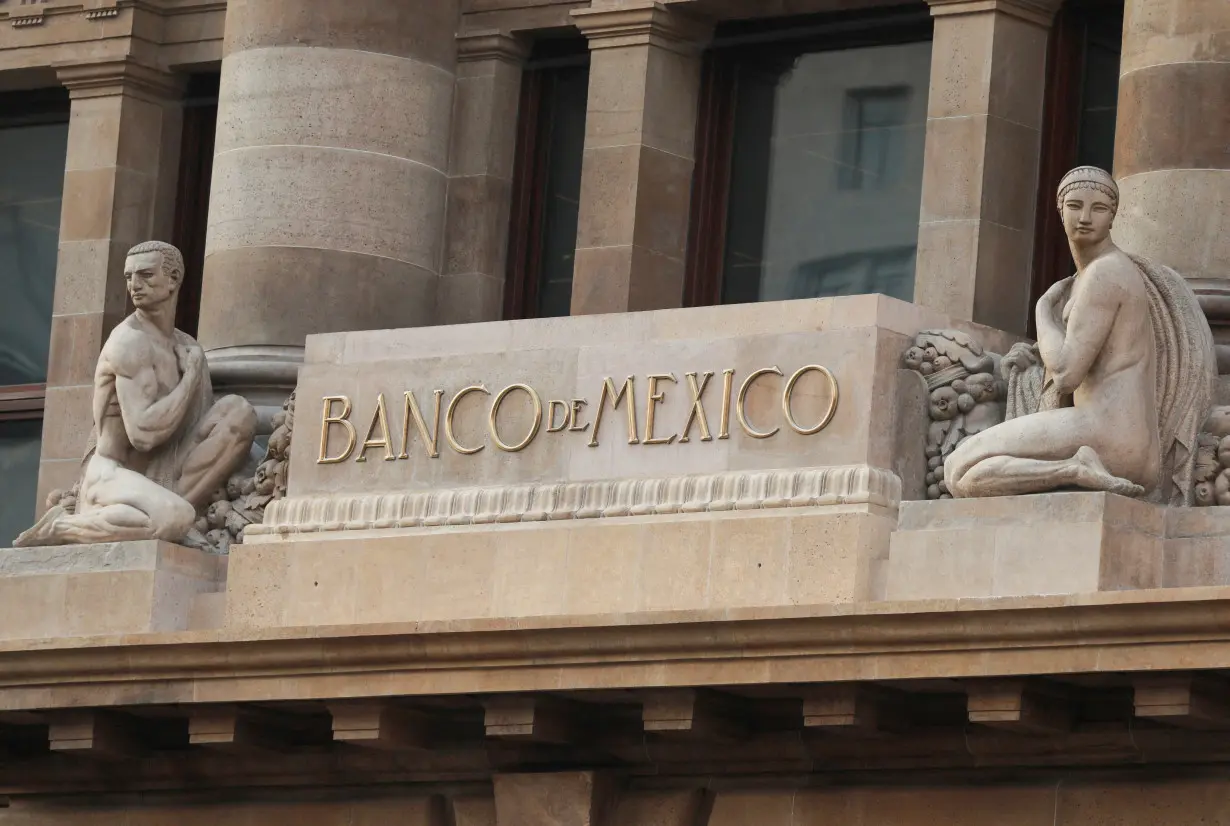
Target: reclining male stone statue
x: 161, y: 445
x: 1112, y: 396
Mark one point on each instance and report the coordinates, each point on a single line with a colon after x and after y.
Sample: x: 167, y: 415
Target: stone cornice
x: 491, y: 44
x: 1117, y: 632
x: 653, y: 24
x: 115, y: 77
x: 1039, y: 12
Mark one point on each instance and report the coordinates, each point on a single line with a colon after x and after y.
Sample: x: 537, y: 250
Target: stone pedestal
x: 116, y: 588
x: 1053, y: 543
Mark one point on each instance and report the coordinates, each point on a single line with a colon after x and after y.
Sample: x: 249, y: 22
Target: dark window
x: 1081, y: 108
x: 33, y: 145
x: 809, y: 158
x: 547, y: 181
x: 196, y: 163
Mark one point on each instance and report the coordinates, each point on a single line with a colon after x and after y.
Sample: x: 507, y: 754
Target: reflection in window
x: 547, y: 186
x: 825, y: 169
x: 873, y: 138
x: 31, y: 183
x: 19, y: 451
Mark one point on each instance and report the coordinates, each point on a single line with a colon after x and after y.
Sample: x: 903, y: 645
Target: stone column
x: 1172, y: 146
x: 120, y: 176
x: 484, y: 143
x: 330, y: 175
x: 980, y: 168
x: 636, y: 179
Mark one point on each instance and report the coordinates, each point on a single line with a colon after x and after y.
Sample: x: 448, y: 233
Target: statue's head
x: 1088, y: 200
x: 153, y: 273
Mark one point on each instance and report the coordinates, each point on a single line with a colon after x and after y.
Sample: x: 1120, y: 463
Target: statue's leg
x: 220, y: 447
x: 116, y: 505
x: 1010, y: 476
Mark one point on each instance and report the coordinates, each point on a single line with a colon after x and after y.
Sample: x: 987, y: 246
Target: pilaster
x: 639, y: 157
x: 980, y: 168
x: 483, y: 145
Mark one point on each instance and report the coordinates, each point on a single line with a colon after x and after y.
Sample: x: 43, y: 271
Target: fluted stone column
x: 1172, y: 145
x: 330, y: 177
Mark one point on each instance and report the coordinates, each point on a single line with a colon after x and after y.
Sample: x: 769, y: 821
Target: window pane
x: 826, y: 175
x: 19, y: 449
x: 566, y: 96
x: 31, y: 183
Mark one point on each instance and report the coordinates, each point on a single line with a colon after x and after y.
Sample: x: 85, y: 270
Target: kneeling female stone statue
x: 1113, y: 394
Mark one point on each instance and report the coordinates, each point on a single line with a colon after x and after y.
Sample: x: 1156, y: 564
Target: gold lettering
x: 552, y: 406
x: 656, y: 397
x: 431, y: 441
x: 728, y: 383
x: 788, y: 394
x: 495, y: 410
x: 608, y: 392
x: 698, y: 409
x: 740, y: 405
x: 327, y: 418
x: 448, y: 420
x: 380, y: 417
x: 575, y: 415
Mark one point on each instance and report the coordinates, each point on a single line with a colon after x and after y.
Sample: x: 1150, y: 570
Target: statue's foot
x: 1092, y: 474
x: 43, y: 533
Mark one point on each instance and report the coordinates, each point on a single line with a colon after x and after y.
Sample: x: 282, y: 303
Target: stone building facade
x: 378, y: 196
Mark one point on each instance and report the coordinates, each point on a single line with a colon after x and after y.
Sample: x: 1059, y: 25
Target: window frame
x: 531, y: 168
x: 717, y: 115
x: 1065, y: 74
x: 196, y: 161
x: 36, y: 107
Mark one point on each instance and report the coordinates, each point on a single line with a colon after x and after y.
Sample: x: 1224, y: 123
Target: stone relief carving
x: 1113, y: 395
x: 967, y: 396
x: 243, y: 500
x: 160, y: 445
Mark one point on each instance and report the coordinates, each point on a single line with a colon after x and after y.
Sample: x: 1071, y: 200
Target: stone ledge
x: 89, y: 590
x: 713, y: 493
x: 1055, y: 543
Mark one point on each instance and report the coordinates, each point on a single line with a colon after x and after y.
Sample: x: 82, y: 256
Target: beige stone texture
x: 95, y: 590
x: 980, y: 164
x: 636, y: 177
x: 747, y: 559
x: 1053, y: 543
x: 860, y: 339
x: 673, y: 808
x: 332, y: 166
x: 552, y: 799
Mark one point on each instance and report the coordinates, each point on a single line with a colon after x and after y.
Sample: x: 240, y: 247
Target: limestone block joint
x: 735, y: 491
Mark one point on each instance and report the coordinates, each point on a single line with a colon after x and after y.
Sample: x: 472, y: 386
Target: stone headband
x: 1088, y: 177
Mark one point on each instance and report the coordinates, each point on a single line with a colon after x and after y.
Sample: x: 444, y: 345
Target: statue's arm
x: 148, y: 420
x: 1069, y: 354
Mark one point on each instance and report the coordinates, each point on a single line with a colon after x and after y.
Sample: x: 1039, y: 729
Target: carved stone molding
x: 491, y: 44
x: 119, y: 77
x: 1039, y: 12
x: 808, y: 487
x: 651, y: 25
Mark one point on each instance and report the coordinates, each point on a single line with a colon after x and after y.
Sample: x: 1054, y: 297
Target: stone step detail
x: 735, y: 491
